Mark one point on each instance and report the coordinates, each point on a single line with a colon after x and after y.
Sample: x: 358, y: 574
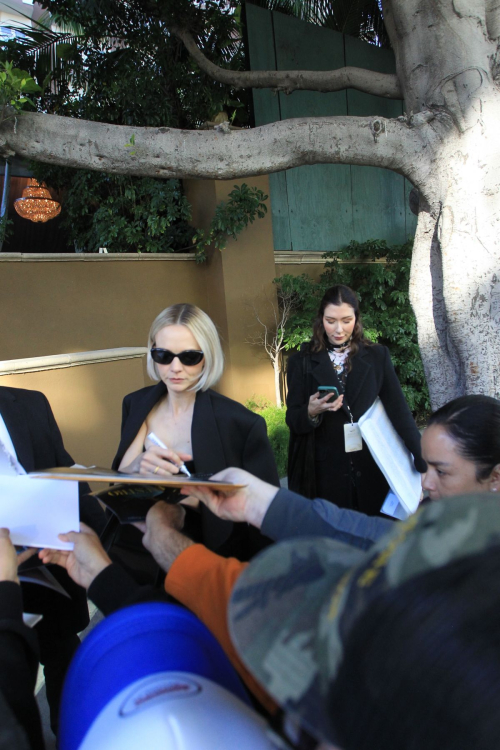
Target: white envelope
x: 37, y: 510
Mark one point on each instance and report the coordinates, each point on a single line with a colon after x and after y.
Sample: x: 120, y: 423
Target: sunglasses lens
x: 162, y: 356
x: 166, y: 357
x: 190, y: 358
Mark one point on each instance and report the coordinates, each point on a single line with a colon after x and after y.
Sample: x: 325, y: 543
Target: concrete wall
x: 60, y: 304
x: 294, y: 263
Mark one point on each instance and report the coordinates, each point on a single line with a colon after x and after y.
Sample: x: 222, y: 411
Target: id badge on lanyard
x: 352, y: 437
x: 352, y: 434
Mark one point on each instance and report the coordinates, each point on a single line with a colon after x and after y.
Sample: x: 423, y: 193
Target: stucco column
x: 238, y: 282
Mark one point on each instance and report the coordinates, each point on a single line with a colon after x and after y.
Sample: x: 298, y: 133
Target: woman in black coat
x: 339, y: 355
x: 201, y: 427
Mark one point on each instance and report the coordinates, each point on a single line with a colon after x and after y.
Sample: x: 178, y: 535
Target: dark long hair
x: 474, y: 423
x: 338, y: 295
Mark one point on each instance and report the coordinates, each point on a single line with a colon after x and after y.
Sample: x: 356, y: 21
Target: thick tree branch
x: 166, y: 152
x: 379, y: 84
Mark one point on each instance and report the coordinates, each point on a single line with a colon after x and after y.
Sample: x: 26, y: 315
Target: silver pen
x: 156, y: 440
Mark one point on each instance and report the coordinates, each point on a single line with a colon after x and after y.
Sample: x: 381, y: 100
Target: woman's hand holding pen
x: 156, y: 460
x: 318, y: 404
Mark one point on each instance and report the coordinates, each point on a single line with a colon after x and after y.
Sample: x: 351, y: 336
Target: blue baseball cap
x: 145, y: 656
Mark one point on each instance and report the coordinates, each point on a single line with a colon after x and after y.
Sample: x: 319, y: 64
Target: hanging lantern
x: 36, y: 203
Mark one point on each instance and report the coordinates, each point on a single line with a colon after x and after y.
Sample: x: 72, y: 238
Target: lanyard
x: 341, y: 388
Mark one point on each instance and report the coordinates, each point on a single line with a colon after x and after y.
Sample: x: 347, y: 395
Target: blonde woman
x: 202, y: 428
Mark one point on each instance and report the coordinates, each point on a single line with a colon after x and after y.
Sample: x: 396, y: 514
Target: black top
x: 20, y: 726
x: 223, y: 433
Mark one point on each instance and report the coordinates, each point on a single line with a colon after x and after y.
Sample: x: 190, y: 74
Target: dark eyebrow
x: 438, y: 463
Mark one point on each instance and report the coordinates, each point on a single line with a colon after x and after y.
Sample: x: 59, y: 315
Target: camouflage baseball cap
x: 293, y: 607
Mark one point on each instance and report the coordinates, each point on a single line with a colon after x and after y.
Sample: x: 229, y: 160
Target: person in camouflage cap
x: 293, y: 610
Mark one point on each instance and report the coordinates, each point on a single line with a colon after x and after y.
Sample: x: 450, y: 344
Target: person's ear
x: 494, y: 479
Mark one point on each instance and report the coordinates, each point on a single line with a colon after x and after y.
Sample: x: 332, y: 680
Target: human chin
x: 334, y: 339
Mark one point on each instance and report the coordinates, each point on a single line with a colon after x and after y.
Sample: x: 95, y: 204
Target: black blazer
x: 337, y: 472
x: 223, y: 433
x: 39, y: 445
x: 33, y: 429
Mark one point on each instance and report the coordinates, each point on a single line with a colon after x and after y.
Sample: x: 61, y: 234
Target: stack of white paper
x: 36, y: 510
x: 394, y: 461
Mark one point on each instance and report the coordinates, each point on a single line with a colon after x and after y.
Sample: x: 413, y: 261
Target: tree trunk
x: 440, y: 360
x: 277, y: 389
x: 445, y: 61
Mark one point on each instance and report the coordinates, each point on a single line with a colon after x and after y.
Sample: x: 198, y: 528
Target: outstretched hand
x: 9, y: 559
x: 85, y: 561
x: 248, y: 504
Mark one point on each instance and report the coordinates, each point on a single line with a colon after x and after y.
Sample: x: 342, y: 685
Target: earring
x: 494, y: 489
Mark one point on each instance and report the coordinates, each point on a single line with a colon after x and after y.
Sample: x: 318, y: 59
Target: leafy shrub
x: 14, y: 85
x: 140, y: 214
x: 245, y: 204
x: 388, y: 318
x: 277, y: 429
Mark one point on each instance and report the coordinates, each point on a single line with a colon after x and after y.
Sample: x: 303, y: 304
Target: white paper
x: 31, y: 620
x: 9, y: 465
x: 37, y: 510
x: 392, y: 507
x: 392, y: 456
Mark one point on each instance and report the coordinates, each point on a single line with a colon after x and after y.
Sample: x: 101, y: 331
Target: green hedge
x: 277, y: 429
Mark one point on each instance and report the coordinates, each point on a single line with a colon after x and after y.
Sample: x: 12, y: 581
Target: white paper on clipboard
x: 393, y: 459
x: 37, y: 510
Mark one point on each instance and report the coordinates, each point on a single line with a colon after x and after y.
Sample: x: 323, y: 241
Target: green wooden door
x: 324, y: 206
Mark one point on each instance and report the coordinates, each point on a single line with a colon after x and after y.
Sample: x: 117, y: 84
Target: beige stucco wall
x: 74, y: 304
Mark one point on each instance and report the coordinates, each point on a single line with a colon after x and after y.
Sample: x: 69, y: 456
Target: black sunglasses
x: 189, y: 357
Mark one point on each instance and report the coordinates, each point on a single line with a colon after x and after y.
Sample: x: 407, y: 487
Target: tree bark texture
x: 447, y: 145
x: 446, y: 55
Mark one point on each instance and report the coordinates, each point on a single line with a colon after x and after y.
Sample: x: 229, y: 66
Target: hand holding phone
x: 321, y: 401
x: 332, y: 389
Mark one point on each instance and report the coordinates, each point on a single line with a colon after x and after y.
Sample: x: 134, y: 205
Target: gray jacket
x: 291, y: 515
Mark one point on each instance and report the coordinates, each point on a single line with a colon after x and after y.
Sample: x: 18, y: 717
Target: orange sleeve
x: 203, y: 582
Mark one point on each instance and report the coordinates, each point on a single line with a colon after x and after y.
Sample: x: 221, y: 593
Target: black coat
x: 18, y: 671
x: 351, y: 480
x: 223, y: 433
x: 39, y: 445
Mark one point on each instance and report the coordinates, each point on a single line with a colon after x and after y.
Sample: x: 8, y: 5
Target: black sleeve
x: 399, y: 412
x: 125, y: 414
x: 297, y: 402
x: 62, y: 456
x: 18, y: 666
x: 258, y: 456
x: 114, y: 588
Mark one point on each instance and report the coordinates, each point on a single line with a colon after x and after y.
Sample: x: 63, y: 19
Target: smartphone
x: 324, y: 389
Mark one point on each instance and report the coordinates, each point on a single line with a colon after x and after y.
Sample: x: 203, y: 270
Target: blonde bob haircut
x: 205, y: 333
